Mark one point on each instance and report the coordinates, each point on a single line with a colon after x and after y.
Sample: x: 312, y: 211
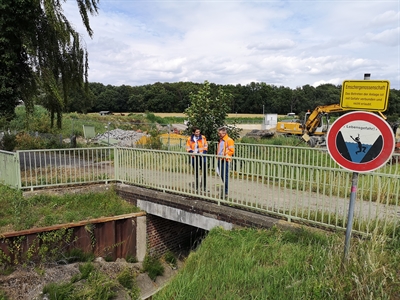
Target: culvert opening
x: 164, y: 235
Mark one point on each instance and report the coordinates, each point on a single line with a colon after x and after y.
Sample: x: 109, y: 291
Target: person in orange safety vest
x: 197, y: 143
x: 225, y: 151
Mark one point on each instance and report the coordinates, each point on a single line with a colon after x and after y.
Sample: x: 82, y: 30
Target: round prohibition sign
x: 360, y: 141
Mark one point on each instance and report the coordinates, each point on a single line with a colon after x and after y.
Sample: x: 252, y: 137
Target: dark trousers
x: 223, y: 167
x: 200, y: 163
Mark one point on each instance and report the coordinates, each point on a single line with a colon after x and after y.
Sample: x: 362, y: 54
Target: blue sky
x: 284, y: 43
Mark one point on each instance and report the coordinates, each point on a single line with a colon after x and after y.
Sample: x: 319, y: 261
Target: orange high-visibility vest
x: 201, y: 144
x: 229, y: 147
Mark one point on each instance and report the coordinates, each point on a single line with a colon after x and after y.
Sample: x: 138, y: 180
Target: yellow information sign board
x: 371, y: 95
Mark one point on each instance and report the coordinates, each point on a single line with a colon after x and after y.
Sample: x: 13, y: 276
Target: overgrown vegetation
x: 275, y: 264
x: 35, y: 132
x: 91, y: 283
x: 20, y: 213
x: 3, y: 295
x: 170, y: 258
x: 276, y: 140
x: 152, y: 265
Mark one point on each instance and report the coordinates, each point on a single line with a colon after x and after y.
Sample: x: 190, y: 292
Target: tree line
x: 255, y: 98
x: 43, y: 61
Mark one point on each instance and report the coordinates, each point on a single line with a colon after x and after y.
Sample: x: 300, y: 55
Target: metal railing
x: 43, y: 168
x: 297, y: 184
x: 293, y: 191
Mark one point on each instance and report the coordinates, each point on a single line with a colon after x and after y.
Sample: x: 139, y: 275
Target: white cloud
x: 272, y: 44
x: 289, y: 43
x: 388, y: 37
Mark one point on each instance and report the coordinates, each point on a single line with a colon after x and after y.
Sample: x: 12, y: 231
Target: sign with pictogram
x: 360, y: 141
x: 371, y: 95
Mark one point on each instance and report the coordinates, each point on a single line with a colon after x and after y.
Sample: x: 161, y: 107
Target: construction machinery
x: 313, y: 128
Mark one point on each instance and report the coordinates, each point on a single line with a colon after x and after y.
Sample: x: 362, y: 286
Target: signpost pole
x: 353, y: 195
x: 349, y: 227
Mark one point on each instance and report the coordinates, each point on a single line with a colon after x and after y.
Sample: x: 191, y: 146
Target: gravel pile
x: 125, y: 138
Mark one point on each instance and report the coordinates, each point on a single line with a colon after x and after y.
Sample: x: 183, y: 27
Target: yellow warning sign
x: 371, y: 95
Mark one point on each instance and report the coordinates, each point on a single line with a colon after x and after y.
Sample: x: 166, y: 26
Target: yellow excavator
x: 313, y: 128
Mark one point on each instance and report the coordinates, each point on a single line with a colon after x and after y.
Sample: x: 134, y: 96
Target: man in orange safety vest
x: 225, y: 151
x: 197, y: 143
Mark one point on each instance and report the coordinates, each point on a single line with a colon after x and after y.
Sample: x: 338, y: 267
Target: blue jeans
x: 223, y: 167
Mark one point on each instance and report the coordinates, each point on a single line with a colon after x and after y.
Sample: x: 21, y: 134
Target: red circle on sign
x: 379, y: 123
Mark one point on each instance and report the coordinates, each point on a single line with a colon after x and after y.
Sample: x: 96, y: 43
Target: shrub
x: 8, y: 142
x: 153, y: 118
x: 126, y: 278
x: 26, y: 142
x: 170, y: 258
x: 56, y: 291
x: 131, y: 259
x: 86, y: 269
x: 98, y: 286
x: 153, y: 267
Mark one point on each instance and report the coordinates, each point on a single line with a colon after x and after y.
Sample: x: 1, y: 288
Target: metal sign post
x: 359, y: 141
x: 350, y: 215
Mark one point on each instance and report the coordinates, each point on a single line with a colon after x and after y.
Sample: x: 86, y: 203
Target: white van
x: 292, y: 114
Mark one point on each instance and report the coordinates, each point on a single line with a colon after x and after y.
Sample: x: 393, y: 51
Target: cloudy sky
x: 284, y: 43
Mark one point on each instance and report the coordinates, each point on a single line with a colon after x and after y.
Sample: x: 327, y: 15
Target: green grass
x: 19, y: 213
x: 152, y: 265
x: 275, y: 140
x: 272, y: 264
x: 244, y: 120
x: 92, y: 283
x: 3, y: 296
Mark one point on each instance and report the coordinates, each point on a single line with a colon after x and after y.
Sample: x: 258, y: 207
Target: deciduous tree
x: 41, y: 54
x: 209, y: 112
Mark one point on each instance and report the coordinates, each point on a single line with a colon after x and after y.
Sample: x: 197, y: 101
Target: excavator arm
x: 314, y: 128
x: 314, y: 119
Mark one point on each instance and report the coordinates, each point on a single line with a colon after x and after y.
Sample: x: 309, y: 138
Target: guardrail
x: 289, y: 190
x: 297, y: 184
x: 44, y: 168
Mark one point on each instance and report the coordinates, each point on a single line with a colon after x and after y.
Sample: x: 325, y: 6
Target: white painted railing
x: 296, y: 184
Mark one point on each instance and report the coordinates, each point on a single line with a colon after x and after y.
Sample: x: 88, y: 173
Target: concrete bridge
x: 175, y: 210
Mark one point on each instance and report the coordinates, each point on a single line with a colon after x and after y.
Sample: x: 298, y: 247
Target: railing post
x: 116, y: 164
x: 17, y: 170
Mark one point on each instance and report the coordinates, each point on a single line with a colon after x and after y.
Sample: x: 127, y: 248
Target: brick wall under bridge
x: 175, y: 222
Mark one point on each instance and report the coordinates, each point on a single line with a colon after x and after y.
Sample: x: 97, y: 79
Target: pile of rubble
x: 260, y: 134
x: 120, y: 137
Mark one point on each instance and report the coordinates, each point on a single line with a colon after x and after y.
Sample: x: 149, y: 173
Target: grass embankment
x: 243, y: 263
x: 272, y: 264
x: 19, y: 213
